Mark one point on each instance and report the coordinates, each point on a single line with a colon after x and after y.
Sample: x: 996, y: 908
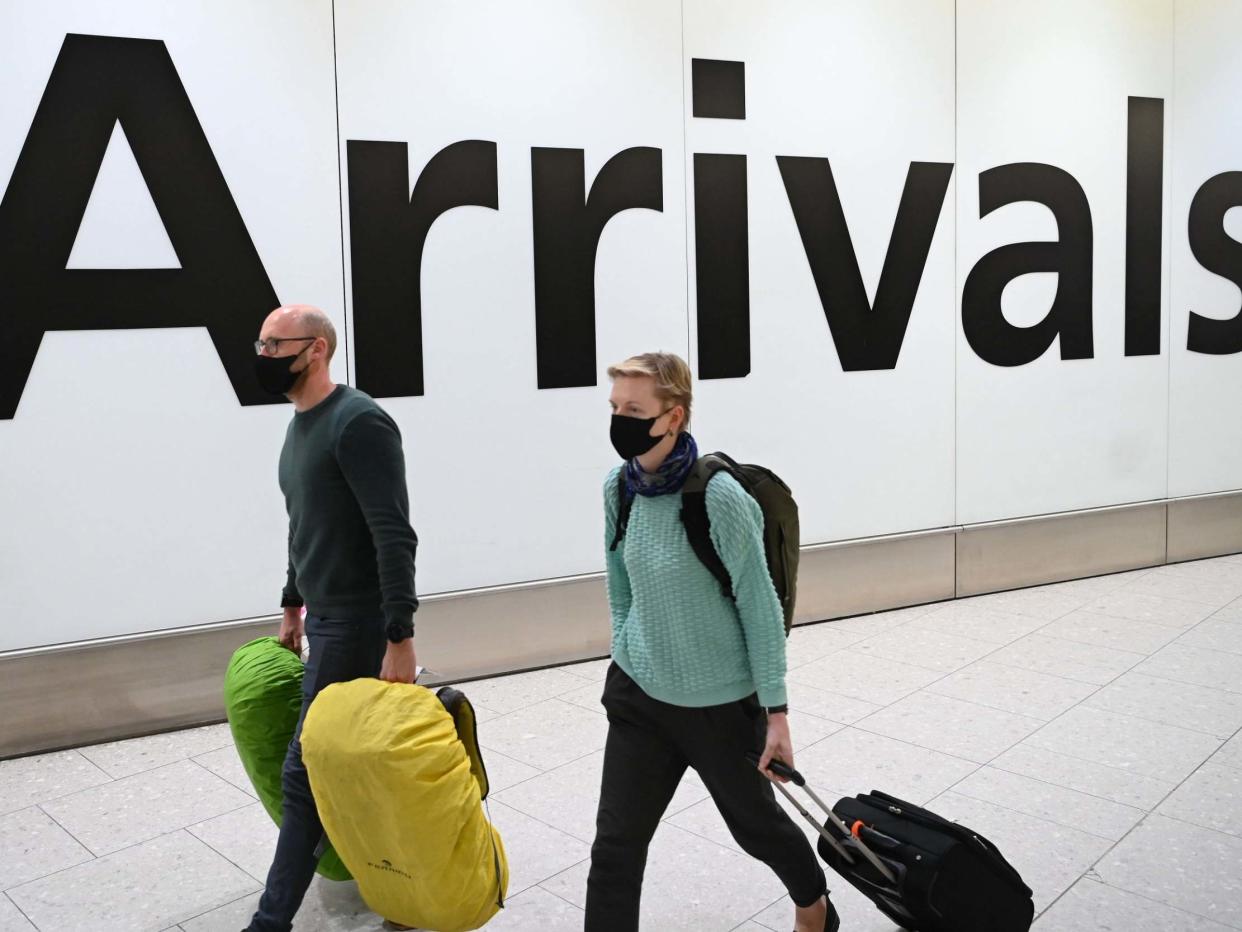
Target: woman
x: 697, y: 679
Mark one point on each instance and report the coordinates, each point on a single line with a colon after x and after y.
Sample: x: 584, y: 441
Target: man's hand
x: 779, y: 746
x: 400, y: 662
x: 291, y: 629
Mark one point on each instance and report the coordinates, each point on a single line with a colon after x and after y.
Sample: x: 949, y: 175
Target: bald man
x: 351, y: 561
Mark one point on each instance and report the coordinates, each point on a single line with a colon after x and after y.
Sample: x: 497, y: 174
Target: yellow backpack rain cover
x: 394, y: 787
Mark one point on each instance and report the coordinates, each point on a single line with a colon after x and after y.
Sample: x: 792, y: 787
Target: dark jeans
x: 650, y: 744
x: 340, y: 650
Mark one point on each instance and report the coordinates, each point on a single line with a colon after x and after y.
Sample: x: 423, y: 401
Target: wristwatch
x: 774, y: 709
x: 399, y: 631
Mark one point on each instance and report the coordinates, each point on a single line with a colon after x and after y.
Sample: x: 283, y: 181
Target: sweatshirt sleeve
x: 290, y: 596
x: 737, y: 533
x: 371, y: 459
x: 619, y: 594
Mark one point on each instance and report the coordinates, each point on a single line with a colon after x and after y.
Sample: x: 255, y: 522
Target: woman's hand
x: 779, y: 746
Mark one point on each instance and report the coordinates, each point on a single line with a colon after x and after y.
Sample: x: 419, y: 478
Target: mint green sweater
x: 673, y: 631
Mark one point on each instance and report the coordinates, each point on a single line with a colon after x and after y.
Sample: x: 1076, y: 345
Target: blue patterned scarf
x: 669, y: 476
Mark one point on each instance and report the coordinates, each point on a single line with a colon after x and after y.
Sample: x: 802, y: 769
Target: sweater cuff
x: 771, y: 698
x: 400, y: 618
x: 291, y: 601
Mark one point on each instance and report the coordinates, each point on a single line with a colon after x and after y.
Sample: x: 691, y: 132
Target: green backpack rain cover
x: 262, y: 698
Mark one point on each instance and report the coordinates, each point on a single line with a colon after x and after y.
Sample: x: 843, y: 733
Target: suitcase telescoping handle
x: 784, y: 770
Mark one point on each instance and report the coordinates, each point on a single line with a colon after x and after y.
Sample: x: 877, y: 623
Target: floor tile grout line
x: 97, y: 857
x: 499, y: 794
x: 1030, y: 815
x: 114, y: 780
x: 1053, y: 637
x: 1156, y: 721
x: 181, y: 924
x: 1170, y: 679
x: 541, y: 773
x: 1153, y: 811
x: 1000, y: 765
x: 951, y: 673
x: 259, y: 880
x: 1188, y: 823
x: 53, y: 799
x: 1099, y: 687
x: 178, y: 925
x: 21, y: 912
x: 755, y: 917
x: 557, y: 697
x: 64, y: 828
x: 162, y: 734
x: 1143, y: 896
x: 252, y: 800
x: 1180, y: 629
x: 540, y: 883
x: 553, y: 893
x: 1058, y: 676
x: 225, y: 780
x: 910, y: 744
x: 1104, y: 799
x: 994, y: 708
x: 221, y: 815
x: 1041, y: 728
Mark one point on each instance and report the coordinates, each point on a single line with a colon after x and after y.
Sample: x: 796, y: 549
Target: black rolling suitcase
x: 925, y: 873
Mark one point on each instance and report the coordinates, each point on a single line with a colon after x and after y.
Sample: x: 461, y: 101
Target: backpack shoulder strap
x: 696, y: 520
x: 461, y: 711
x: 624, y: 504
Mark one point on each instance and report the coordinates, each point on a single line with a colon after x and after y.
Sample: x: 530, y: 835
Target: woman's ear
x: 678, y: 419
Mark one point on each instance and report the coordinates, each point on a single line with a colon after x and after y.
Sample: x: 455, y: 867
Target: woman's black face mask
x: 631, y: 436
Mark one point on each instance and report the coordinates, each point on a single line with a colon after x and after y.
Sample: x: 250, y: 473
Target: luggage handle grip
x: 781, y: 769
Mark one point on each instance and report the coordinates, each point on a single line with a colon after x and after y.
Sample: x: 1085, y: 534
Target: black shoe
x: 832, y: 922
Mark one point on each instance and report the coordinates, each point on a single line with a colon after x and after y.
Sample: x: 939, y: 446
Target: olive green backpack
x: 781, y: 537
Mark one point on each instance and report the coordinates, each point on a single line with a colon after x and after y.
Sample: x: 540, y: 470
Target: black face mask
x: 274, y: 373
x: 631, y: 436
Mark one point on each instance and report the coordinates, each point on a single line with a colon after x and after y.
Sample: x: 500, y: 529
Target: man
x: 351, y: 561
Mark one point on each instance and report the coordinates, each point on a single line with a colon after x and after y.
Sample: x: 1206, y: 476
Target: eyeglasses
x: 272, y: 344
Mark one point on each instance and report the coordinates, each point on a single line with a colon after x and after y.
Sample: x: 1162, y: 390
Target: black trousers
x: 650, y: 745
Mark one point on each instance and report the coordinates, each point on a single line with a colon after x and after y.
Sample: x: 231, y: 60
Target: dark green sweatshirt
x: 351, y: 547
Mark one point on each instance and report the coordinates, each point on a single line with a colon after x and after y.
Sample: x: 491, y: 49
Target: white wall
x: 1051, y: 86
x: 137, y: 494
x: 600, y: 76
x: 870, y: 88
x: 1205, y: 431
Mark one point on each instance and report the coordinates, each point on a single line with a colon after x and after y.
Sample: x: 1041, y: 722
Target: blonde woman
x: 698, y: 678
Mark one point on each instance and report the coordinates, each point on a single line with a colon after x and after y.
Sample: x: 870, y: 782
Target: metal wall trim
x: 1009, y: 555
x: 1205, y: 526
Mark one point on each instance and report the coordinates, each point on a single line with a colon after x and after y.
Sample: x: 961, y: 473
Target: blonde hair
x: 670, y: 374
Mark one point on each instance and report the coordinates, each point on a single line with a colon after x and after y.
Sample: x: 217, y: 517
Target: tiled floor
x: 1091, y: 729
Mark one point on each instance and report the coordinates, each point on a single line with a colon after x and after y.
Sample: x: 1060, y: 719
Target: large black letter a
x: 221, y: 284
